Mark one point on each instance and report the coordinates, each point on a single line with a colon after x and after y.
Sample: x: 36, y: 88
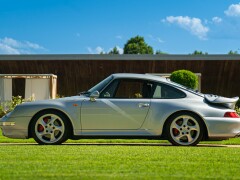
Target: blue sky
x: 91, y: 26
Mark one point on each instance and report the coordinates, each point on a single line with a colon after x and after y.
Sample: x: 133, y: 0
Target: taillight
x: 231, y: 115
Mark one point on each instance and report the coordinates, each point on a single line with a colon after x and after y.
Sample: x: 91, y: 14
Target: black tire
x: 50, y: 127
x: 184, y: 129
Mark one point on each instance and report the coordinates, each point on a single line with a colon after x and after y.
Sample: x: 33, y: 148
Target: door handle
x: 143, y: 105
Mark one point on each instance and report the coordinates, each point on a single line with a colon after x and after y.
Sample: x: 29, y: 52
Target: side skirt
x: 118, y: 137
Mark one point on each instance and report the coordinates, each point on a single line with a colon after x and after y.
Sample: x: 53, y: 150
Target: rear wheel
x: 184, y: 129
x: 50, y: 127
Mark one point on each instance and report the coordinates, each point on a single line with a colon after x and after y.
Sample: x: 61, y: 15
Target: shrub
x: 237, y: 108
x: 185, y: 78
x: 59, y: 96
x: 8, y: 106
x: 238, y: 103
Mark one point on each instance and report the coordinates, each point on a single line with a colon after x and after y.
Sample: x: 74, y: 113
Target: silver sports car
x: 127, y: 106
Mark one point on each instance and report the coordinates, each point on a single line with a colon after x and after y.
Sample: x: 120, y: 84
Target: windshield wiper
x: 84, y: 93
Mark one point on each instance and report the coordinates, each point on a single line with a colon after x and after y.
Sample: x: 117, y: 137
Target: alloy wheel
x: 49, y: 128
x: 185, y: 130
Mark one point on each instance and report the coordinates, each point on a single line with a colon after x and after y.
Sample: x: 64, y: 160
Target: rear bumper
x: 222, y: 128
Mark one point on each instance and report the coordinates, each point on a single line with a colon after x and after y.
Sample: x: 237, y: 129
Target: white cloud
x: 90, y: 50
x: 5, y: 49
x: 216, y: 20
x: 10, y: 42
x: 12, y: 46
x: 100, y: 49
x: 157, y: 39
x: 119, y: 37
x: 233, y: 10
x: 28, y: 44
x: 97, y: 50
x: 193, y: 25
x: 120, y: 50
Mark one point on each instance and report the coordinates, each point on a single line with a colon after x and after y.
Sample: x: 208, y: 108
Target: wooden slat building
x: 220, y: 74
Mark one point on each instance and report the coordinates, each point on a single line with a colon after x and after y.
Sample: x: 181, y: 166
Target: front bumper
x: 14, y: 127
x: 222, y: 128
x: 7, y: 123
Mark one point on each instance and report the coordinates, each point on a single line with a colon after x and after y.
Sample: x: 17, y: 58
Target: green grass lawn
x: 79, y: 161
x: 233, y: 141
x: 109, y: 161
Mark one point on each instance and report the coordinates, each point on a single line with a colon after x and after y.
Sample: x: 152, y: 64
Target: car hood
x: 224, y: 101
x: 54, y: 101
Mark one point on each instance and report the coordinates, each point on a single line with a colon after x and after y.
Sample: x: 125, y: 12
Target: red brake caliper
x: 175, y: 132
x: 40, y: 127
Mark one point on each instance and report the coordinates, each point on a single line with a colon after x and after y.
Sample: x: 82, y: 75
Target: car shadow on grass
x: 140, y: 144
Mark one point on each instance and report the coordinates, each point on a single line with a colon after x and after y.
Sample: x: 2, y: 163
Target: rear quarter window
x: 163, y: 91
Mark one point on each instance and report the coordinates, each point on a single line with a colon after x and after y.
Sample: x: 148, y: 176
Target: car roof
x: 140, y: 76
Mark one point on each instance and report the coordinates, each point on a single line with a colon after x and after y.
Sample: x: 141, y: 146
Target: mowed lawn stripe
x: 232, y: 141
x: 147, y: 162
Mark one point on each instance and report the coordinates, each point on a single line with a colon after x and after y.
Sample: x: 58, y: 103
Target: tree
x: 199, y: 53
x: 137, y: 45
x: 160, y: 52
x: 114, y: 51
x: 232, y: 52
x: 185, y: 78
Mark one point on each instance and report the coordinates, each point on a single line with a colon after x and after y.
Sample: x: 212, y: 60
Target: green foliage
x: 160, y: 52
x: 185, y: 78
x: 8, y: 106
x: 237, y: 108
x: 238, y: 103
x: 137, y: 45
x: 232, y: 52
x: 59, y: 96
x: 199, y: 53
x: 114, y: 51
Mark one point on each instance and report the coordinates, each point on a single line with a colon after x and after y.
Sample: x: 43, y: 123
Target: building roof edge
x: 117, y: 57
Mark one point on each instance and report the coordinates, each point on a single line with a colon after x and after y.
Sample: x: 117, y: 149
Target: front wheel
x: 184, y: 129
x: 50, y: 127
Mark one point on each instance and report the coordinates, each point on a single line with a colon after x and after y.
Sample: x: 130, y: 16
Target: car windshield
x: 186, y: 88
x: 100, y: 85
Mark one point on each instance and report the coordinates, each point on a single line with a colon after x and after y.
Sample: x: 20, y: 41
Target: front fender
x: 70, y: 108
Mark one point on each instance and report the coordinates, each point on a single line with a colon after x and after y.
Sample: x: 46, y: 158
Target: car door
x: 123, y: 105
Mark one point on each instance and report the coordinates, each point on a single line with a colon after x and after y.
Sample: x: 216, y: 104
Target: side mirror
x: 94, y: 95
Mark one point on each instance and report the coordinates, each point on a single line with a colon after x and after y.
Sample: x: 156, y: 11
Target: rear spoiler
x: 224, y: 101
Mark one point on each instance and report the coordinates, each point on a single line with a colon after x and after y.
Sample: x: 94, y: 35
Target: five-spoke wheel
x: 50, y: 127
x: 184, y: 129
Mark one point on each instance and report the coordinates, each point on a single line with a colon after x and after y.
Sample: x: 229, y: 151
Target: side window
x: 163, y: 91
x: 109, y: 92
x: 128, y: 89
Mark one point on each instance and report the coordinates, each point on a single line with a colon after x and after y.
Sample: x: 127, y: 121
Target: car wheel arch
x: 51, y: 109
x: 205, y: 135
